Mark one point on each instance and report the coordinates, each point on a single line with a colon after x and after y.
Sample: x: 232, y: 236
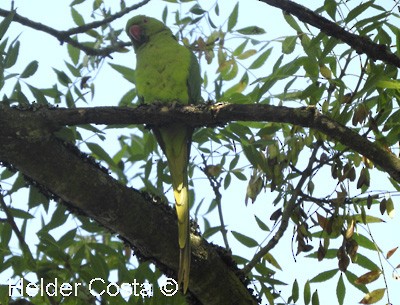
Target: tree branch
x: 148, y: 226
x: 51, y: 119
x: 215, y: 184
x: 362, y: 45
x: 65, y: 36
x: 10, y: 220
x: 286, y: 214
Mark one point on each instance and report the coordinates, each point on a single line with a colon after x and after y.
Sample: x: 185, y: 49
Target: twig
x: 65, y: 36
x: 287, y: 212
x: 216, y: 184
x: 380, y: 261
x: 14, y: 227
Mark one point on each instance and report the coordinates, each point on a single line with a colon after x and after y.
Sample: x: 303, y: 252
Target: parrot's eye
x: 145, y: 20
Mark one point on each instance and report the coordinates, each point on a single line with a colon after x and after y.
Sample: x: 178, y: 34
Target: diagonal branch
x: 360, y: 44
x: 150, y: 227
x: 10, y: 220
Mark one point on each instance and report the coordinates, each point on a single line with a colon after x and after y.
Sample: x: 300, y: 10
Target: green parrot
x: 168, y: 72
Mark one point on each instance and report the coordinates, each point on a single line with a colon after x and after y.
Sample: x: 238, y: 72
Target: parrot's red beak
x: 135, y: 32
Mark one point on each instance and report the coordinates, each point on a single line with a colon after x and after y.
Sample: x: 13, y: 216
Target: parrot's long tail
x: 175, y: 141
x: 184, y: 263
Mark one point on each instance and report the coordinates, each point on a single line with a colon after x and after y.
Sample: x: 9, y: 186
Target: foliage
x: 326, y: 191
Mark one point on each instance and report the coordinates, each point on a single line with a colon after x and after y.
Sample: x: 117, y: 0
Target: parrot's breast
x: 162, y: 71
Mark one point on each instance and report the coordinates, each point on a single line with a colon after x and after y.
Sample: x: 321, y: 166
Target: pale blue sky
x: 49, y: 53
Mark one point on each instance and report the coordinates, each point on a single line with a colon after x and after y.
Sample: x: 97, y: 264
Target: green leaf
x: 62, y: 77
x: 227, y: 181
x: 315, y: 298
x: 233, y: 17
x: 164, y: 14
x: 331, y: 8
x: 127, y: 73
x: 30, y: 69
x: 340, y: 290
x: 368, y: 277
x: 261, y: 224
x: 261, y: 59
x: 251, y: 30
x: 239, y: 50
x: 365, y: 262
x: 36, y: 198
x: 74, y: 71
x: 211, y: 231
x: 4, y: 294
x: 99, y: 265
x: 295, y: 291
x: 358, y: 10
x: 6, y: 23
x: 388, y: 84
x: 234, y: 162
x: 390, y: 207
x: 197, y: 10
x: 58, y: 218
x: 18, y: 213
x: 351, y: 277
x: 97, y: 4
x: 395, y: 184
x: 393, y: 136
x: 73, y: 54
x: 292, y: 22
x: 324, y: 276
x: 39, y: 96
x: 128, y: 98
x: 67, y: 239
x: 246, y: 54
x: 245, y: 240
x: 239, y: 175
x: 368, y: 218
x: 76, y: 2
x: 393, y: 120
x: 271, y: 259
x: 78, y: 19
x: 364, y: 242
x: 288, y: 44
x: 12, y: 55
x: 307, y: 293
x: 373, y: 296
x: 100, y: 153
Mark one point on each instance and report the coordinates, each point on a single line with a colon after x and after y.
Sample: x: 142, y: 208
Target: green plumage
x: 168, y: 72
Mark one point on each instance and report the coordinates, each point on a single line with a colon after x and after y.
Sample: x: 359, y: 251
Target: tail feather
x: 175, y: 141
x: 184, y: 266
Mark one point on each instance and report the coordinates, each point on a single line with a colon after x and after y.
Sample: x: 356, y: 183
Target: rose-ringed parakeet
x: 168, y: 72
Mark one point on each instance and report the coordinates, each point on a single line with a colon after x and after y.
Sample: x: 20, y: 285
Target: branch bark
x: 51, y: 119
x: 362, y: 45
x: 150, y: 227
x: 29, y: 145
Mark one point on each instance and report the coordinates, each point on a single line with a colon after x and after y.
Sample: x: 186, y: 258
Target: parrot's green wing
x: 169, y: 72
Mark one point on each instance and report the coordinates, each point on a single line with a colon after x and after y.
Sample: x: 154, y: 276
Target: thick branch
x: 358, y: 43
x: 52, y: 119
x: 151, y: 228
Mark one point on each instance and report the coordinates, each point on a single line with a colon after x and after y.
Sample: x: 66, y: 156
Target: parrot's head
x: 141, y: 28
